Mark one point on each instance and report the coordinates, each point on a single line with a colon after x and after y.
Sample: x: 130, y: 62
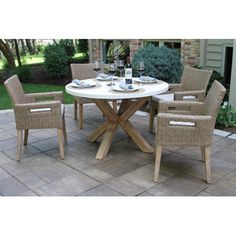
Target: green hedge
x: 160, y: 62
x: 56, y: 61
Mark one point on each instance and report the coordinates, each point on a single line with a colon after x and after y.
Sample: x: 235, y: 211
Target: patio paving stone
x: 225, y: 155
x: 11, y: 187
x: 217, y: 190
x: 218, y: 170
x: 101, y: 190
x: 68, y: 186
x: 124, y: 186
x: 117, y: 167
x: 4, y: 135
x: 54, y: 172
x: 31, y: 180
x: 229, y: 181
x: 27, y: 151
x: 3, y: 174
x: 145, y: 194
x: 8, y: 144
x: 224, y: 142
x: 43, y: 134
x: 179, y: 185
x: 232, y: 147
x: 97, y: 174
x: 125, y: 171
x: 4, y: 158
x: 204, y: 194
x: 143, y: 176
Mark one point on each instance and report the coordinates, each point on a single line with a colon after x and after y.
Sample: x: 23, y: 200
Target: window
x: 170, y: 43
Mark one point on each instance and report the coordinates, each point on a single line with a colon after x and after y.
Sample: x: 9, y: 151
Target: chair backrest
x: 195, y: 79
x: 82, y: 71
x: 214, y: 99
x: 15, y: 90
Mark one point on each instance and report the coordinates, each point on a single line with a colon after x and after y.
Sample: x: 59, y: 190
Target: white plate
x: 90, y: 83
x: 119, y: 89
x: 145, y: 82
x: 108, y: 78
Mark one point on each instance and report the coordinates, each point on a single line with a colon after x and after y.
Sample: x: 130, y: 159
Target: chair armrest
x: 190, y: 121
x: 48, y: 96
x: 198, y: 95
x: 38, y: 115
x: 39, y: 107
x: 175, y: 87
x: 181, y: 107
x: 182, y: 130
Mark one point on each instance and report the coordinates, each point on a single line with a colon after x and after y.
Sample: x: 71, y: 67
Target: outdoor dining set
x: 186, y: 112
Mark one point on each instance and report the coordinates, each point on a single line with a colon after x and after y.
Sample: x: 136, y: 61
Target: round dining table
x: 104, y: 91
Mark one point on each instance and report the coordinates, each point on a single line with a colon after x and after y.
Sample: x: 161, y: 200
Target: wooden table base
x: 108, y: 128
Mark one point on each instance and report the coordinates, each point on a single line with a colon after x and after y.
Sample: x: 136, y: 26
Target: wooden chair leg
x: 81, y: 116
x: 207, y: 152
x: 60, y: 140
x: 19, y: 144
x: 75, y: 109
x: 157, y: 163
x: 26, y: 136
x: 114, y: 104
x: 203, y: 153
x: 151, y: 118
x: 64, y: 131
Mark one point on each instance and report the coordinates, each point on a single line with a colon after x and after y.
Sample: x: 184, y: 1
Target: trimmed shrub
x: 24, y: 73
x: 68, y: 45
x: 226, y: 116
x: 82, y: 47
x: 56, y: 61
x: 160, y: 62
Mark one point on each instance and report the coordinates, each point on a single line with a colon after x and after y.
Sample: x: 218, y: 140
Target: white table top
x: 102, y: 91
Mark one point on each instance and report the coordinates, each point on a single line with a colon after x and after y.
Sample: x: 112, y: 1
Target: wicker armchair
x: 36, y: 111
x: 186, y: 123
x: 192, y: 87
x: 81, y: 72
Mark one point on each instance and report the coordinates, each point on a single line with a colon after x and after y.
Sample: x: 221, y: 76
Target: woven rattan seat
x: 187, y: 123
x: 36, y: 111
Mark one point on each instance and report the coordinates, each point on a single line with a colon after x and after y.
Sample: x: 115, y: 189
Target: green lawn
x: 5, y: 102
x: 35, y: 59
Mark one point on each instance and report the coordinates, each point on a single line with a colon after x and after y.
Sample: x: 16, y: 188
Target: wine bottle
x: 128, y: 72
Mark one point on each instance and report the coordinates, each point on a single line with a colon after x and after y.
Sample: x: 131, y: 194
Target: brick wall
x: 96, y: 50
x: 134, y: 45
x: 190, y: 52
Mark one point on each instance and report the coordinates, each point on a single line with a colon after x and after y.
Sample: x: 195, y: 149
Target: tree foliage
x: 82, y: 46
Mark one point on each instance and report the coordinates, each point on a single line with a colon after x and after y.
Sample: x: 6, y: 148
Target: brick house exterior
x: 190, y: 50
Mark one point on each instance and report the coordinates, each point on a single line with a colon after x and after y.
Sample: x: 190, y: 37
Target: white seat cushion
x: 163, y: 97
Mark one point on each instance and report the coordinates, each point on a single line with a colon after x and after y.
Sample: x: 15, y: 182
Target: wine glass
x: 140, y: 70
x: 120, y: 67
x: 112, y: 71
x: 97, y: 67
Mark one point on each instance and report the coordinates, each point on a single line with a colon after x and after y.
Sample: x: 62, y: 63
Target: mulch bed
x: 40, y: 76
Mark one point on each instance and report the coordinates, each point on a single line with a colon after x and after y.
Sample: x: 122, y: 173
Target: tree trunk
x: 34, y: 46
x: 29, y: 46
x: 4, y: 47
x: 17, y: 52
x: 23, y: 52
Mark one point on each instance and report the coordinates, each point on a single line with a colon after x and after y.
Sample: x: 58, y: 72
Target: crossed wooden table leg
x: 108, y: 128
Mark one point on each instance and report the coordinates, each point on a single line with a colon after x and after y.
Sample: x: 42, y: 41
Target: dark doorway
x: 228, y: 64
